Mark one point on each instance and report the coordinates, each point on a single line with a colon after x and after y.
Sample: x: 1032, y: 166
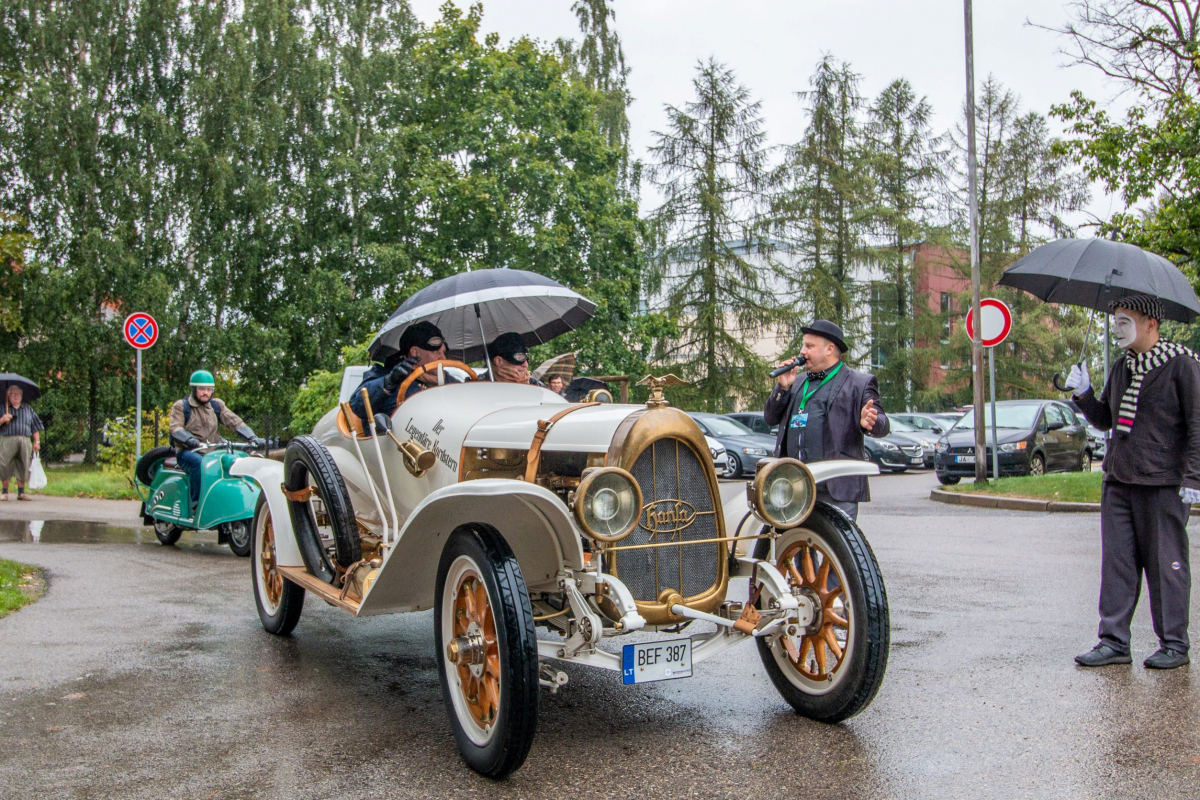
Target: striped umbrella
x: 473, y: 308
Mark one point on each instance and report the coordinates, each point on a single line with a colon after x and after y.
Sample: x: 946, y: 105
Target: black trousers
x: 1144, y: 529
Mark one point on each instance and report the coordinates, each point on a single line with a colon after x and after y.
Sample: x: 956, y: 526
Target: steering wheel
x: 424, y: 368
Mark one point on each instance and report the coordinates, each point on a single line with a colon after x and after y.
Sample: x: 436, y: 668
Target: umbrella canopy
x: 560, y: 366
x: 579, y: 388
x: 473, y: 308
x: 28, y: 387
x: 1094, y: 272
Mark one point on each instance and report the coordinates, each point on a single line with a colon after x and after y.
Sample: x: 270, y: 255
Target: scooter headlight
x: 783, y: 492
x: 607, y: 504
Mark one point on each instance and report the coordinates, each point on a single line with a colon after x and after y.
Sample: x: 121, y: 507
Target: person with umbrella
x: 20, y: 439
x: 1151, y: 398
x: 421, y: 343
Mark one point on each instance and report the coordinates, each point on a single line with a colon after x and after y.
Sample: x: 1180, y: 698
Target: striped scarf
x: 1141, y: 365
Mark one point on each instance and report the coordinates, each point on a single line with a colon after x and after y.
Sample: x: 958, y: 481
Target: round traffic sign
x: 997, y: 321
x: 140, y: 329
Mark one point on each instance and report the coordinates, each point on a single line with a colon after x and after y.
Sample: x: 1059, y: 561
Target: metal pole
x: 139, y: 404
x: 973, y: 191
x: 995, y: 440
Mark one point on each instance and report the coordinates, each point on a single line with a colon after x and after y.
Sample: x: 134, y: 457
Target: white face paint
x: 1125, y: 329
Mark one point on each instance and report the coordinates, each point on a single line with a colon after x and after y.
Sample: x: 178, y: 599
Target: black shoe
x: 1166, y: 658
x: 1101, y: 656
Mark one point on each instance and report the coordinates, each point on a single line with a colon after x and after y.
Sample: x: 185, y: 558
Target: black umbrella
x: 473, y: 308
x: 1094, y: 272
x: 579, y: 388
x: 29, y: 389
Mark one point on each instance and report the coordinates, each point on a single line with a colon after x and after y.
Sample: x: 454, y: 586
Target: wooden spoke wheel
x: 834, y: 667
x: 279, y: 601
x: 822, y: 648
x: 474, y: 651
x: 487, y: 650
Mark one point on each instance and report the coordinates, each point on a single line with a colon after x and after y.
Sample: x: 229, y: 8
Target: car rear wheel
x: 279, y: 601
x: 948, y: 480
x: 1037, y: 464
x: 487, y: 650
x: 1085, y: 461
x: 835, y: 669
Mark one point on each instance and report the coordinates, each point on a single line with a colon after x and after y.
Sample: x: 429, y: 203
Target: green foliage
x: 120, y: 456
x: 320, y: 391
x: 86, y: 480
x: 20, y: 585
x: 711, y: 166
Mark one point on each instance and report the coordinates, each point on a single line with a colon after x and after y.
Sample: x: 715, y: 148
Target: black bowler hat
x: 511, y: 347
x: 827, y: 330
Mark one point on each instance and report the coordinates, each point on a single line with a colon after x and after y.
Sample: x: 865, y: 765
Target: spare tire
x: 336, y: 543
x: 151, y: 462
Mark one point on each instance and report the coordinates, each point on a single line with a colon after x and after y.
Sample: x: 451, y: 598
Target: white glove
x: 1189, y: 495
x: 1078, y: 381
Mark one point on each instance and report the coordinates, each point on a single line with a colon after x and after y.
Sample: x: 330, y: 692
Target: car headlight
x: 607, y: 503
x: 754, y: 451
x: 1012, y: 447
x: 926, y: 445
x: 888, y: 446
x: 941, y: 447
x: 783, y: 492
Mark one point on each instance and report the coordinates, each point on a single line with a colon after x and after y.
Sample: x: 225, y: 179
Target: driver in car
x: 197, y: 419
x: 420, y: 344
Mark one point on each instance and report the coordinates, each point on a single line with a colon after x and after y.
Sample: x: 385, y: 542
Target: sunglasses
x: 436, y: 343
x: 516, y: 358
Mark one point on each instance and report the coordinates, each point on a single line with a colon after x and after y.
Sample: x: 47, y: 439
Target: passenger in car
x: 509, y: 360
x: 420, y: 344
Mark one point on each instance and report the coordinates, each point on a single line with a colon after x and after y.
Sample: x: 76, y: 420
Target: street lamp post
x: 973, y: 191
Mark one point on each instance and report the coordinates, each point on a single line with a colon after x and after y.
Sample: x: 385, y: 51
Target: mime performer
x: 1152, y: 476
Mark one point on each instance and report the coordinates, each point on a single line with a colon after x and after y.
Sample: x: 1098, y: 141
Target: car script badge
x: 667, y: 516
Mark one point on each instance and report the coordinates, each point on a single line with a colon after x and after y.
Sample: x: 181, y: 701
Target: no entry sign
x: 997, y: 321
x: 141, y: 331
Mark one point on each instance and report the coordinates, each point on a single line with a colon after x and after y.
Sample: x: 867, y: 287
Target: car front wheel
x: 487, y: 650
x: 735, y: 466
x: 279, y: 600
x: 834, y: 668
x: 1037, y: 464
x: 948, y: 480
x: 1085, y: 461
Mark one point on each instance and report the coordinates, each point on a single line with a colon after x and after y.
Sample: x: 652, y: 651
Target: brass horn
x: 417, y: 459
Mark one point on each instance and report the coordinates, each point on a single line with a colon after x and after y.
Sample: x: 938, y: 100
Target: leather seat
x: 170, y: 463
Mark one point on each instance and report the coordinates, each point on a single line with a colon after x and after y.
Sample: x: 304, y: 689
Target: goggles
x: 435, y: 343
x: 516, y: 358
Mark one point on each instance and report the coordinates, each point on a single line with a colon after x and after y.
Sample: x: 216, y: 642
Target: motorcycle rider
x: 196, y: 419
x: 420, y: 344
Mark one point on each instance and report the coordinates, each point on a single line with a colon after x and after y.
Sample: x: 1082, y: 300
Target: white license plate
x: 964, y: 459
x: 657, y: 661
x: 917, y: 460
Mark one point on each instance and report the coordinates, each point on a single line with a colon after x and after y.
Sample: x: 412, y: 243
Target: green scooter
x: 226, y: 502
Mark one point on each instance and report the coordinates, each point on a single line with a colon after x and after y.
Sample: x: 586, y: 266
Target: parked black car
x: 755, y: 421
x: 934, y: 423
x: 1036, y: 436
x: 927, y: 438
x: 895, y: 452
x: 744, y: 447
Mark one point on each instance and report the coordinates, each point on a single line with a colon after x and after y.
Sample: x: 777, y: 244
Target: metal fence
x: 71, y: 438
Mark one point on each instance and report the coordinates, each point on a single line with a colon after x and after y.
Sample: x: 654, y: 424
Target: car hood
x: 966, y: 438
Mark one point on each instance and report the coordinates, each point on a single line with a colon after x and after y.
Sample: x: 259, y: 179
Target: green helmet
x: 202, y: 379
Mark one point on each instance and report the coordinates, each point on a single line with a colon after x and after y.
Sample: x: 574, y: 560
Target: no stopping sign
x: 997, y: 321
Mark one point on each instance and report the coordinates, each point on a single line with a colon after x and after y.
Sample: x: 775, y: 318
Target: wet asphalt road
x: 144, y: 673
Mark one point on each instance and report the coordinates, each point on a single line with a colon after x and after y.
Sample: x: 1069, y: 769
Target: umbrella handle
x: 1058, y: 384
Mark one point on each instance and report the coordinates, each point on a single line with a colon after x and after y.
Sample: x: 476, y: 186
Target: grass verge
x: 84, y: 480
x: 1064, y: 487
x: 20, y: 585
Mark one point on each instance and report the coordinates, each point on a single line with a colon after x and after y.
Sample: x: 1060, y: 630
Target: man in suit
x: 825, y: 415
x: 1151, y: 477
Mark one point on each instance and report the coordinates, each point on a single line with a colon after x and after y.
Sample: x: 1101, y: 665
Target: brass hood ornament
x: 657, y: 385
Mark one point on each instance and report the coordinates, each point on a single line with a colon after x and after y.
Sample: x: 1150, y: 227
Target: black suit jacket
x: 843, y: 436
x: 1163, y: 447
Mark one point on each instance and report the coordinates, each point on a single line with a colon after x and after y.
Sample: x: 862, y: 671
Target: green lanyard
x: 806, y: 395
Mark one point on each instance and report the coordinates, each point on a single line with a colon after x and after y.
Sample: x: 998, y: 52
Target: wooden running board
x: 301, y: 577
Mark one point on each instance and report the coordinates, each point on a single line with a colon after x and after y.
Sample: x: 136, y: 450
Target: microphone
x: 798, y: 361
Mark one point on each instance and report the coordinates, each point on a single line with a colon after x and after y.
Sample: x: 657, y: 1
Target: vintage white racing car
x: 507, y: 510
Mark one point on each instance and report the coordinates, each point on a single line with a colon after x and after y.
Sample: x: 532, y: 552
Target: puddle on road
x: 69, y: 532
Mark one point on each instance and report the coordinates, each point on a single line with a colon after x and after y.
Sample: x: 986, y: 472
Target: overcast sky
x: 773, y: 46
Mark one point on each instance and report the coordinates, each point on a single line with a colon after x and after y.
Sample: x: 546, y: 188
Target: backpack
x: 187, y: 410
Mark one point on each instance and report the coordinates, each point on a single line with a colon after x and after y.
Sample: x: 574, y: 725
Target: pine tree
x: 711, y: 166
x: 819, y: 210
x: 907, y: 163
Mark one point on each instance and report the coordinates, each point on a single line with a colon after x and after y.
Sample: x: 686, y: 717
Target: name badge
x: 799, y: 420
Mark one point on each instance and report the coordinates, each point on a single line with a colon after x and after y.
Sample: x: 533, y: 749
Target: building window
x: 948, y: 312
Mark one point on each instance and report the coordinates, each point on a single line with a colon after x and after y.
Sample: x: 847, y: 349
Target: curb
x: 1018, y: 503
